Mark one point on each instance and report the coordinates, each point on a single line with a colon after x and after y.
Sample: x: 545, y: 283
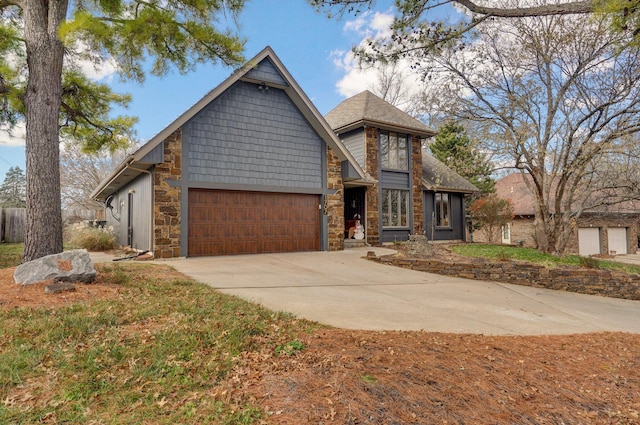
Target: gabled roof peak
x: 274, y: 75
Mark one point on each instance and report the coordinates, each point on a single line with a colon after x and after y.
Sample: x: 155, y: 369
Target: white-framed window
x: 394, y: 151
x: 443, y: 210
x: 395, y: 208
x: 506, y: 233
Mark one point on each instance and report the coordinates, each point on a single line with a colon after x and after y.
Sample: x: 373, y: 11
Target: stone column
x: 334, y: 204
x: 166, y: 199
x: 416, y: 167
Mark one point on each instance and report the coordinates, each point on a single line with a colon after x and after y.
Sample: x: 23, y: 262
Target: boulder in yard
x: 68, y: 266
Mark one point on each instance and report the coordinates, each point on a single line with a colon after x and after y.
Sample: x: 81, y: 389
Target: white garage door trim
x: 617, y: 238
x: 589, y: 241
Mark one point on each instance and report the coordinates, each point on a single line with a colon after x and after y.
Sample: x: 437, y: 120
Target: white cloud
x: 381, y: 23
x: 90, y: 63
x: 356, y: 79
x: 358, y: 25
x: 15, y: 137
x: 104, y: 70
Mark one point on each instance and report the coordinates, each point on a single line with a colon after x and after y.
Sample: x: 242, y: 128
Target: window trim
x: 506, y: 230
x: 406, y: 209
x: 394, y: 150
x: 438, y: 208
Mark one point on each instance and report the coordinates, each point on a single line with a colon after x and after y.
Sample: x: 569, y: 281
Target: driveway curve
x: 345, y: 290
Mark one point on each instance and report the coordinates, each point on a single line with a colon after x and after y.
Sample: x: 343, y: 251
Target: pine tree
x: 43, y: 44
x: 457, y: 150
x: 13, y: 189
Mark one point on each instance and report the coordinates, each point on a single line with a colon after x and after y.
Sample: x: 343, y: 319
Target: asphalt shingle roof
x: 438, y: 177
x: 367, y: 108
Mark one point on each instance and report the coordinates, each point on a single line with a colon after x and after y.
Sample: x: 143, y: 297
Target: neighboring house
x: 253, y: 167
x: 412, y: 193
x: 603, y: 231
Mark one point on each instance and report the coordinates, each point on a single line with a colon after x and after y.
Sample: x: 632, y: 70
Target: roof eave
x: 398, y: 128
x: 435, y: 188
x: 126, y: 171
x: 384, y: 126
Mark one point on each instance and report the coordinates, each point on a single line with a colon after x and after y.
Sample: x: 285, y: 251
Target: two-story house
x: 413, y: 193
x: 253, y: 167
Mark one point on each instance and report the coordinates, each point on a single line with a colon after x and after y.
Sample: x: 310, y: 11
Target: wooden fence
x: 13, y: 221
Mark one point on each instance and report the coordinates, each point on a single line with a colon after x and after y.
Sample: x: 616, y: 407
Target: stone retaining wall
x: 585, y: 281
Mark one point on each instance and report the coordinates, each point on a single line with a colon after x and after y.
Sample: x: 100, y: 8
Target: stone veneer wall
x: 166, y: 203
x: 334, y: 204
x: 416, y: 167
x: 372, y: 226
x: 585, y: 281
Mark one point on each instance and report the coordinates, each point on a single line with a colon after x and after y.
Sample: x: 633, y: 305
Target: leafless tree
x: 418, y: 22
x: 394, y: 85
x: 80, y: 174
x: 559, y: 98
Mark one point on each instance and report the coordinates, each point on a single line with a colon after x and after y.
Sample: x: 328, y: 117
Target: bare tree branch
x: 571, y: 8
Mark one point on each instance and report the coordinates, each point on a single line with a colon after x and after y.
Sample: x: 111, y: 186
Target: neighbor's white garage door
x: 617, y: 240
x: 589, y: 240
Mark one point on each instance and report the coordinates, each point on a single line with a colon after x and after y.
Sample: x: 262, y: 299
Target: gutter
x: 114, y: 175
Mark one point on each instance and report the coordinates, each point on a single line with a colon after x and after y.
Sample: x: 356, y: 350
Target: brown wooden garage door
x: 235, y: 222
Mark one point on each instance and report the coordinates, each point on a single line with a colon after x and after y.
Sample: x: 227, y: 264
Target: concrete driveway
x: 633, y: 259
x: 342, y: 289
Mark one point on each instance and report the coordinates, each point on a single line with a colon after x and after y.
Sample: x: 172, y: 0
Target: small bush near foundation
x: 589, y: 263
x: 90, y: 237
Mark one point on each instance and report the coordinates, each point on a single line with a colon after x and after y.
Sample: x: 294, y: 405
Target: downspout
x: 150, y: 194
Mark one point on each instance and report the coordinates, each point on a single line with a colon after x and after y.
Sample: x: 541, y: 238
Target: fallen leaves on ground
x: 363, y: 377
x: 336, y: 376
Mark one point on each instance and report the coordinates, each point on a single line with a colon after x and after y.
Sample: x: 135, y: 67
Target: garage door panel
x: 617, y: 238
x: 589, y: 241
x: 235, y: 222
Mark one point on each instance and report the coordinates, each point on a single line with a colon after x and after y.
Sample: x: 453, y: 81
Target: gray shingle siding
x: 394, y: 180
x: 250, y: 137
x: 156, y: 156
x: 265, y: 71
x: 354, y: 142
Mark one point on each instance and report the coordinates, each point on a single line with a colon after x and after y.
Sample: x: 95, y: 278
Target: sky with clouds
x: 316, y: 51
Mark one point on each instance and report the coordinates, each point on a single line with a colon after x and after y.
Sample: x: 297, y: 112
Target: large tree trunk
x: 45, y: 54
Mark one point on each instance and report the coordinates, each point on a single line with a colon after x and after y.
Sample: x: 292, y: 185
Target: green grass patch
x: 160, y: 353
x: 289, y: 348
x: 504, y: 252
x: 10, y: 254
x: 369, y: 379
